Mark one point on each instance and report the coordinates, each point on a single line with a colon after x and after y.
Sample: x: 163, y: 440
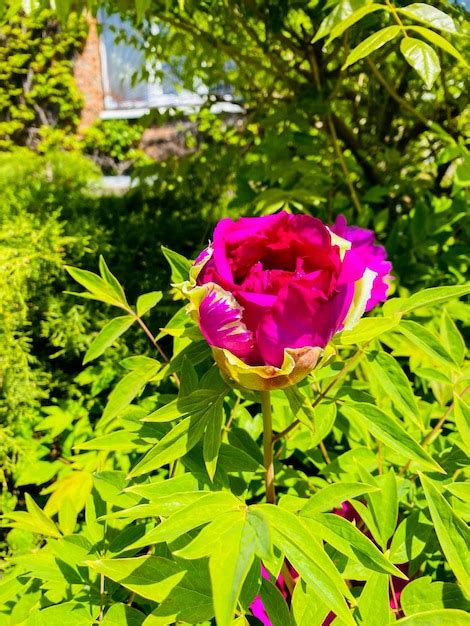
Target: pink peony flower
x: 270, y: 292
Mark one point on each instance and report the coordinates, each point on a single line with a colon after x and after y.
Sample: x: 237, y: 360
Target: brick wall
x: 87, y: 72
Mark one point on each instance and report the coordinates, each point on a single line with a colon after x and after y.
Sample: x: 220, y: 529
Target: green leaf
x: 391, y: 433
x: 441, y: 617
x: 147, y: 301
x: 422, y: 58
x: 213, y: 437
x: 425, y: 341
x: 452, y: 532
x: 42, y: 524
x: 367, y: 329
x: 332, y: 496
x: 70, y: 613
x: 180, y: 266
x: 122, y: 615
x: 98, y: 288
x: 189, y: 381
x: 429, y: 15
x: 384, y: 505
x: 127, y: 389
x: 389, y: 375
x: 453, y: 340
x: 422, y: 595
x: 274, y: 604
x: 152, y: 577
x: 341, y: 12
x: 204, y: 510
x: 348, y: 539
x: 371, y: 44
x: 202, y: 406
x: 425, y: 298
x: 307, y: 606
x: 410, y: 538
x: 462, y: 419
x: 439, y: 41
x: 339, y: 29
x: 107, y: 336
x: 302, y: 548
x: 118, y: 440
x: 374, y: 603
x: 112, y: 281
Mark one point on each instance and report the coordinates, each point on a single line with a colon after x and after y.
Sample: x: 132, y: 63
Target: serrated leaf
x: 425, y: 298
x: 425, y: 341
x: 391, y: 378
x: 371, y: 44
x: 152, y: 577
x: 390, y: 432
x: 428, y: 14
x: 107, y: 336
x: 422, y: 58
x: 179, y: 264
x: 452, y: 532
x: 332, y: 496
x: 147, y: 301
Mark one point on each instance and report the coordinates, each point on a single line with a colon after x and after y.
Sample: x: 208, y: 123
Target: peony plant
x: 276, y: 459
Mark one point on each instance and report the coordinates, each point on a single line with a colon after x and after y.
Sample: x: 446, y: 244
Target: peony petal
x: 220, y: 321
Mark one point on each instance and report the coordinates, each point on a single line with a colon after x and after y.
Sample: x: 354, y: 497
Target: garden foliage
x: 141, y: 496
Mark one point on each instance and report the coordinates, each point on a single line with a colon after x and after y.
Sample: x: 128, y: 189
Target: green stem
x: 268, y: 446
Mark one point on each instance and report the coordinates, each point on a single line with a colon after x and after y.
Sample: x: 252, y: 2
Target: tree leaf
x: 391, y: 378
x: 429, y: 15
x: 390, y: 432
x: 439, y: 41
x: 107, y: 336
x: 339, y: 29
x: 453, y: 340
x: 452, y: 532
x: 371, y: 44
x: 426, y: 342
x: 422, y: 58
x: 147, y: 301
x: 274, y: 604
x: 332, y: 496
